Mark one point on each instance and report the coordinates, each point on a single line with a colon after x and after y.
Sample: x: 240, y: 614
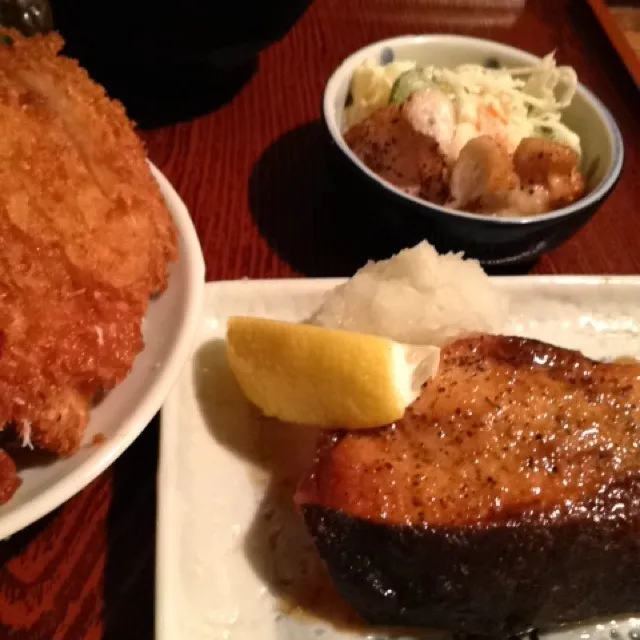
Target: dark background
x: 174, y: 61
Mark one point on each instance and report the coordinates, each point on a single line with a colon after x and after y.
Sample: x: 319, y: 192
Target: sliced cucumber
x: 407, y: 83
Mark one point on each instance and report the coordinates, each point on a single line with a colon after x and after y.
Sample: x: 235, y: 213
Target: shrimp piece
x: 432, y: 113
x: 528, y: 202
x: 552, y: 165
x: 483, y: 172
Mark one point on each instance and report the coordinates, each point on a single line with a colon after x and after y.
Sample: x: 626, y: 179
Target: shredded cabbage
x: 511, y: 104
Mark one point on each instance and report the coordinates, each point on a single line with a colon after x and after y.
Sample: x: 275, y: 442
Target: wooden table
x: 253, y: 174
x: 628, y: 19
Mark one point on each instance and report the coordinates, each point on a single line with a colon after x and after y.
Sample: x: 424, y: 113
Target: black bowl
x: 497, y: 241
x: 173, y: 62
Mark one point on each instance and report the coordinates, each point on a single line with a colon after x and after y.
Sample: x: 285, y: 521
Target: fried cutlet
x: 86, y: 241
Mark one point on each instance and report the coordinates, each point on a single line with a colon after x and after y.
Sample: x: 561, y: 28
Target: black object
x: 28, y: 16
x: 172, y: 61
x: 158, y: 33
x: 494, y: 580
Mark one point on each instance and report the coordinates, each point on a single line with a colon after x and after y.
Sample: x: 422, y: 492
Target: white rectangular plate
x: 232, y: 554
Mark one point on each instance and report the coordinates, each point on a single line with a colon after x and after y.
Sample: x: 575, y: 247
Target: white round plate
x: 169, y: 328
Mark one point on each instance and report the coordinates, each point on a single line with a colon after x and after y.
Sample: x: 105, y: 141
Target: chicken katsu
x: 506, y: 499
x: 86, y: 242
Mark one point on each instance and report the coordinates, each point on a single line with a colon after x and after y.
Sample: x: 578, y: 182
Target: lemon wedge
x: 323, y: 377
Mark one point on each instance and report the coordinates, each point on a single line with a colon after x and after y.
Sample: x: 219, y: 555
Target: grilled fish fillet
x: 507, y: 498
x: 86, y: 241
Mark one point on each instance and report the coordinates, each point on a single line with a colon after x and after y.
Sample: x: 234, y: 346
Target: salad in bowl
x: 479, y: 138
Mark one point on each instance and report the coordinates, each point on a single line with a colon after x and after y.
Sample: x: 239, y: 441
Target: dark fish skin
x: 415, y: 535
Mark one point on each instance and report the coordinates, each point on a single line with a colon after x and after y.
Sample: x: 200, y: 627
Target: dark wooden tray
x: 609, y: 15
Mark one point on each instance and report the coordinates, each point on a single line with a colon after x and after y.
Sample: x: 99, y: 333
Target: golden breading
x: 85, y: 238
